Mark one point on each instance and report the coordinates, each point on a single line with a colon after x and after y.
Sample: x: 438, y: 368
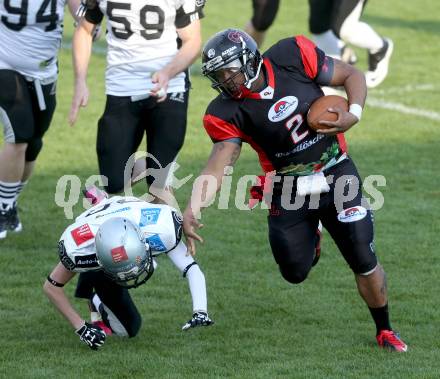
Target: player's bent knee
x: 293, y: 273
x: 365, y: 262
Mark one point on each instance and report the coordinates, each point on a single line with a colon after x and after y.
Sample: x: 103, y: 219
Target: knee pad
x: 294, y: 273
x: 364, y: 259
x: 33, y: 149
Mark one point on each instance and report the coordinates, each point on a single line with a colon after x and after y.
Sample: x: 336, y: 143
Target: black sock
x: 381, y: 318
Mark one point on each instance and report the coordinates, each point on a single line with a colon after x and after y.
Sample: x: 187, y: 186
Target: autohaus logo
x: 283, y: 108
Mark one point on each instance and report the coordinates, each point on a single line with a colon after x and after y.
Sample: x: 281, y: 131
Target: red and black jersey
x: 274, y: 121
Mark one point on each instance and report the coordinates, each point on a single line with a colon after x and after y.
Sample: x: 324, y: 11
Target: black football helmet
x: 231, y: 48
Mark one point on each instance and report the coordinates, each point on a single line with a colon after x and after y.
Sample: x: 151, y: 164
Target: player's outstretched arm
x: 91, y: 335
x: 223, y: 154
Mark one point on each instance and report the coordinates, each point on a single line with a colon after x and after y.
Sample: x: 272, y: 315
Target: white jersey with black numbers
x: 142, y: 39
x: 160, y: 224
x: 30, y: 36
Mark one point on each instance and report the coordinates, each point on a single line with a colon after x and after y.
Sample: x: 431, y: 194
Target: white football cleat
x: 378, y: 64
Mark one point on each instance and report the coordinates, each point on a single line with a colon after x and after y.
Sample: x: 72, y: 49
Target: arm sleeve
x: 221, y: 130
x: 189, y: 11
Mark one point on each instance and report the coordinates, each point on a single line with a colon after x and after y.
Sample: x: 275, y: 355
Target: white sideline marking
x: 398, y: 107
x: 407, y: 88
x: 402, y: 108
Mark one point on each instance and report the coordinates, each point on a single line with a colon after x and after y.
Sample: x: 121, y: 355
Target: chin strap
x: 250, y: 81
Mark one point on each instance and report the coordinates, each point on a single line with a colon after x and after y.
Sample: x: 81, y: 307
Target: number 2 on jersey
x: 293, y: 125
x: 43, y: 16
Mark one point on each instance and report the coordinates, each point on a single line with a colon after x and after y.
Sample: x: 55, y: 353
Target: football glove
x: 198, y: 319
x: 91, y: 335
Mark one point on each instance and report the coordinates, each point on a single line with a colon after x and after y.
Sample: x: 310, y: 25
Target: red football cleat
x: 391, y: 340
x: 104, y: 327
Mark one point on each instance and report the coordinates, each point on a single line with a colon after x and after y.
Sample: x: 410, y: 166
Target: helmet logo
x: 283, y: 108
x: 228, y: 51
x: 119, y: 254
x: 211, y: 53
x: 237, y: 36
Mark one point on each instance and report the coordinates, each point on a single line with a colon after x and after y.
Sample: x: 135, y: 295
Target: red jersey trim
x: 270, y: 81
x: 219, y: 129
x: 309, y: 56
x: 265, y: 163
x: 342, y: 142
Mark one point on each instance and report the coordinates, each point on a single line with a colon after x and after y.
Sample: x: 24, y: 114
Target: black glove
x: 92, y: 335
x: 198, y: 319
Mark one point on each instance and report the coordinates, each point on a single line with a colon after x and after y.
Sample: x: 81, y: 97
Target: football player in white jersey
x: 113, y: 245
x: 30, y: 36
x: 151, y: 44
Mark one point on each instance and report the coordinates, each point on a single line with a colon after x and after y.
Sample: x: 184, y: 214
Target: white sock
x: 19, y: 189
x: 329, y: 43
x: 196, y: 279
x: 197, y: 286
x: 8, y: 193
x: 359, y: 33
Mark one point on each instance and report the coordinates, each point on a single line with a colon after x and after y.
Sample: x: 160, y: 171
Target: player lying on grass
x: 114, y: 243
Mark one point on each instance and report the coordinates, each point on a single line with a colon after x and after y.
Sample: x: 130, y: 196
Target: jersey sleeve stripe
x: 220, y: 130
x: 270, y: 74
x: 309, y: 56
x: 342, y: 142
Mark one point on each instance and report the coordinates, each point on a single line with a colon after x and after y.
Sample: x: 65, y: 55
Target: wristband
x: 356, y: 110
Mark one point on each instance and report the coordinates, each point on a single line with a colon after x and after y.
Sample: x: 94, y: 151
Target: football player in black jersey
x: 264, y: 100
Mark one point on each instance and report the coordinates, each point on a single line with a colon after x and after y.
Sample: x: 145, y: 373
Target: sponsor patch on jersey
x: 200, y: 3
x: 119, y: 254
x: 283, y: 108
x: 352, y: 214
x: 82, y: 234
x: 156, y: 243
x: 149, y: 216
x: 86, y: 261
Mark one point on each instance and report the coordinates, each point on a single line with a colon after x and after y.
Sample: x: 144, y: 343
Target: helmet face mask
x: 122, y: 252
x: 231, y: 49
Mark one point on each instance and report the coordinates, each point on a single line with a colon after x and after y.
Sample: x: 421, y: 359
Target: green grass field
x: 264, y: 327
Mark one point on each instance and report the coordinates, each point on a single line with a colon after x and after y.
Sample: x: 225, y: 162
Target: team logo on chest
x: 283, y: 108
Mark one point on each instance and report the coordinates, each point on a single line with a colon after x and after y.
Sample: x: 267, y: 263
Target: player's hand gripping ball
x: 319, y: 110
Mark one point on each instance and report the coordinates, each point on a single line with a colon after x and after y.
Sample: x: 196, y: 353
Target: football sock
x: 8, y: 193
x: 329, y: 43
x: 197, y: 287
x: 359, y: 33
x: 19, y: 189
x: 381, y: 318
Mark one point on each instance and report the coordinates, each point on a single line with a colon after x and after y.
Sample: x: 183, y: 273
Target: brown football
x: 319, y: 110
